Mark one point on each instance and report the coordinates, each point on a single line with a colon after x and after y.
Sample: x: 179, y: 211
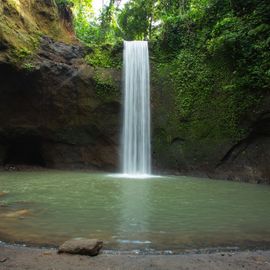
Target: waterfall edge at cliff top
x: 136, y: 145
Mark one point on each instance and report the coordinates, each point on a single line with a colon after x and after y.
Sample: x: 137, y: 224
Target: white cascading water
x: 136, y: 148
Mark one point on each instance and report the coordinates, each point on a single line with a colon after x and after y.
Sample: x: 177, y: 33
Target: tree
x: 136, y: 19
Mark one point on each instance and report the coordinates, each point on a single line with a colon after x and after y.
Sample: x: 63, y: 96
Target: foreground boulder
x: 81, y: 246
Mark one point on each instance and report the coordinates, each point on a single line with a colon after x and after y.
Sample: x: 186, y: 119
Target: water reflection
x: 133, y: 226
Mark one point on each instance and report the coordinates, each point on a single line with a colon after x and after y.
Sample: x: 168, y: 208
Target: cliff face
x: 52, y: 109
x: 192, y: 145
x: 23, y: 22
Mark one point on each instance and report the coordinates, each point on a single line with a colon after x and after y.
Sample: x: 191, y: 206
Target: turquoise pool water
x: 176, y: 213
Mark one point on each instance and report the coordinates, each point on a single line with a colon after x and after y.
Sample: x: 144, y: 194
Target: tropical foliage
x: 213, y: 55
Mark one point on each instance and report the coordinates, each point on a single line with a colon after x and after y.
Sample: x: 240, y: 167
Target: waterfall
x: 136, y: 148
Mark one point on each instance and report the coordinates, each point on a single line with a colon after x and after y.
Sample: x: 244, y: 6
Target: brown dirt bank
x: 22, y: 258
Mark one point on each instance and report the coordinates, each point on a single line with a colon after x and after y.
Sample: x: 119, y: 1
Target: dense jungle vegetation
x: 211, y: 56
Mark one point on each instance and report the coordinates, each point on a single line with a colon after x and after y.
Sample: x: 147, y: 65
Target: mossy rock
x: 107, y: 84
x: 104, y: 56
x: 23, y: 22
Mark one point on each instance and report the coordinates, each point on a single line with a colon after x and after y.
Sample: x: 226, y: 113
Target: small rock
x: 3, y: 259
x: 47, y: 253
x: 17, y: 214
x: 3, y: 193
x: 10, y: 167
x: 81, y: 246
x: 258, y: 258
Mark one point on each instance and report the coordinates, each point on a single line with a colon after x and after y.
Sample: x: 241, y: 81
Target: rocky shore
x: 22, y: 258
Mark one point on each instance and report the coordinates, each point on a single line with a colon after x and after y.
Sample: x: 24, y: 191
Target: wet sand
x: 25, y: 258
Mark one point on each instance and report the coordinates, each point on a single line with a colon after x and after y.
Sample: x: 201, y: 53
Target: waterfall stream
x: 136, y: 148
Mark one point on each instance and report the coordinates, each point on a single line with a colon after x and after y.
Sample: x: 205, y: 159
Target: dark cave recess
x: 24, y: 150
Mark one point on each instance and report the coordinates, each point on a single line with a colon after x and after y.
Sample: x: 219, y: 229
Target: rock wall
x: 177, y: 150
x: 52, y: 110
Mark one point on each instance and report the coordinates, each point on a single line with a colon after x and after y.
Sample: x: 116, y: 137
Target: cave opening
x: 25, y: 150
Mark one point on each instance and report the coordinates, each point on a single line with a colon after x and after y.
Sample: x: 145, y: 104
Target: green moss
x: 206, y: 103
x: 22, y: 53
x: 35, y: 40
x: 106, y: 88
x: 199, y: 109
x: 103, y: 56
x: 28, y: 66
